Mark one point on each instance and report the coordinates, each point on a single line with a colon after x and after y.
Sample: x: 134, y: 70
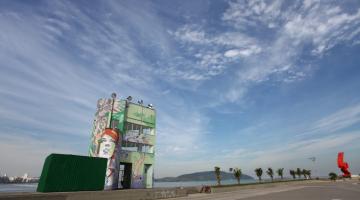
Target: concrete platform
x: 307, y: 190
x: 296, y: 190
x: 134, y: 194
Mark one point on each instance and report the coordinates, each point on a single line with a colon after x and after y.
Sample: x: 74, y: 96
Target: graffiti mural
x: 106, y: 137
x: 101, y: 121
x: 109, y: 148
x: 137, y: 174
x: 135, y: 136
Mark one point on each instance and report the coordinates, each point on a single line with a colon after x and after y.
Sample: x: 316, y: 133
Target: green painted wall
x: 141, y: 115
x: 64, y: 173
x: 138, y: 114
x: 119, y: 114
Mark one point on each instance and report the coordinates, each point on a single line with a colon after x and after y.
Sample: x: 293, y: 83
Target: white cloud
x: 192, y: 34
x: 242, y: 52
x: 235, y: 93
x: 208, y: 59
x: 243, y: 14
x: 341, y: 119
x: 323, y: 25
x: 290, y: 29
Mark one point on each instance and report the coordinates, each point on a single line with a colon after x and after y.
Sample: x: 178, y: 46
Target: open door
x: 125, y: 176
x: 148, y: 175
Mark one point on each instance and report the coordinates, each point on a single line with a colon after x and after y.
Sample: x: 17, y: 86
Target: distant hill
x: 201, y: 176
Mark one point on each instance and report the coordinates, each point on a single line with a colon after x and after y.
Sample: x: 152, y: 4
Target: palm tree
x: 280, y: 172
x: 270, y: 172
x: 292, y: 173
x: 237, y: 174
x: 217, y: 174
x: 308, y: 172
x: 259, y: 173
x: 298, y: 172
x: 304, y: 173
x: 332, y: 176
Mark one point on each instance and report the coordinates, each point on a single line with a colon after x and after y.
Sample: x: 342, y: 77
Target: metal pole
x: 113, y: 96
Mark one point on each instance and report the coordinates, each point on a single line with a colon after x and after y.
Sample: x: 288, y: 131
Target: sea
x: 31, y: 187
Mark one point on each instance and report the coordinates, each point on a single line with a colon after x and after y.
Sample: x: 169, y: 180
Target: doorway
x: 125, y: 176
x: 148, y: 175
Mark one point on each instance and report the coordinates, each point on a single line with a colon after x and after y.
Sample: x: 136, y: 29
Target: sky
x: 235, y: 83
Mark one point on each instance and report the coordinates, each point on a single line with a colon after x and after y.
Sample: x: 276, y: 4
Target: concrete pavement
x: 294, y: 190
x: 319, y: 190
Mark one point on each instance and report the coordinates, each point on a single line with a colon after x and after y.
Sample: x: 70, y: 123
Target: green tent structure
x: 65, y: 173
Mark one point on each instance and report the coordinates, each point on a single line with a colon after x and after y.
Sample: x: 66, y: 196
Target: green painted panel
x: 132, y: 157
x: 134, y: 121
x: 149, y: 116
x: 63, y: 173
x: 119, y: 114
x: 141, y: 114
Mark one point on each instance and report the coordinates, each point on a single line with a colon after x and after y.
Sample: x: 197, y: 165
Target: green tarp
x: 63, y: 173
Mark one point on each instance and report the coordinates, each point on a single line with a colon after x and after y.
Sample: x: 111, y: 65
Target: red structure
x: 344, y: 166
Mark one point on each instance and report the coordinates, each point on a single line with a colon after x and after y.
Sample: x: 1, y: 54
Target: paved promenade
x: 316, y: 190
x: 294, y: 190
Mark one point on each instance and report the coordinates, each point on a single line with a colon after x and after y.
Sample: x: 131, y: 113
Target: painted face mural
x: 108, y: 143
x: 109, y: 148
x: 102, y: 117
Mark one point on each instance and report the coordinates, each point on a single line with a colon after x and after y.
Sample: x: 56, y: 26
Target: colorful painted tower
x: 124, y: 132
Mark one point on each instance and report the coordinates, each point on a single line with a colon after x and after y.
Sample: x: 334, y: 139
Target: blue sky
x: 235, y: 83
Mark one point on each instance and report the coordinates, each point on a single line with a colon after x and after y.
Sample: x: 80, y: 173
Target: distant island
x: 201, y: 176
